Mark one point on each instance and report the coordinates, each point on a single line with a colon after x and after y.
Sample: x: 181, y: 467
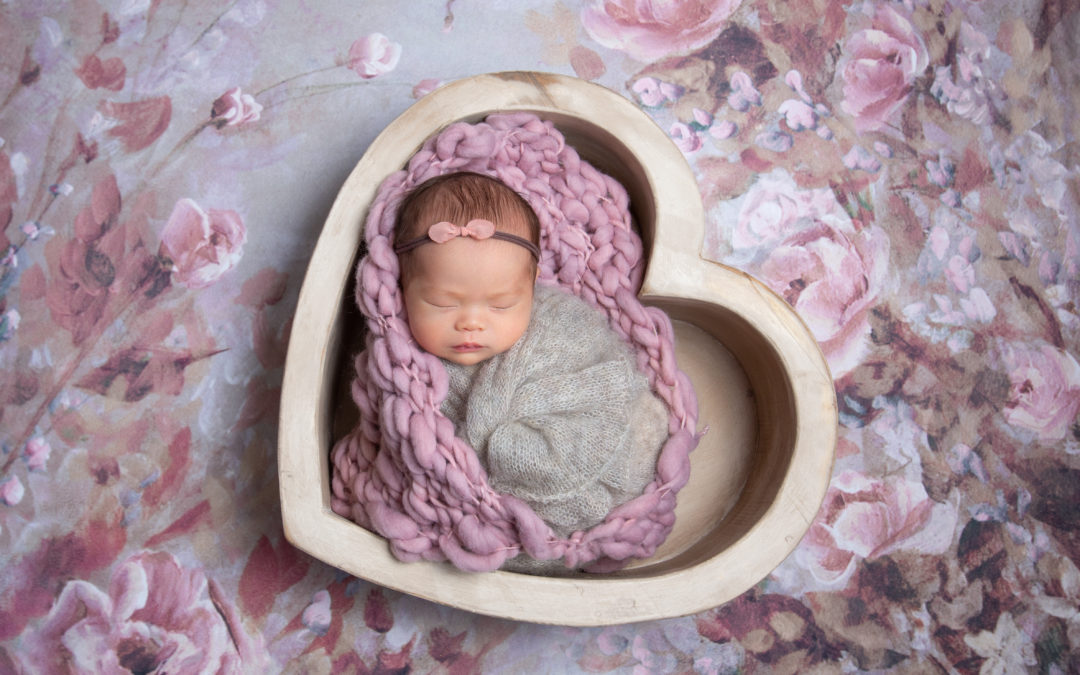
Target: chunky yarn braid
x: 402, y: 472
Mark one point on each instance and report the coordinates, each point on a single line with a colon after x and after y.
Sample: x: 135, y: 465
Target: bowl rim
x: 310, y: 525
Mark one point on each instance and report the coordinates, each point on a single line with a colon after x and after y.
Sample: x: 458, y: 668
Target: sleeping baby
x: 541, y: 387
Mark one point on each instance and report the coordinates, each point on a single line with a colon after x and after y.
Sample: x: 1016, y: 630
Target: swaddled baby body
x: 541, y: 387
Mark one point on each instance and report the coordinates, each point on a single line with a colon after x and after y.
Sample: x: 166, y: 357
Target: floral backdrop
x: 903, y: 172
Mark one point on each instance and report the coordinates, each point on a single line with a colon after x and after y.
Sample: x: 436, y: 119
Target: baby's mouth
x: 467, y: 347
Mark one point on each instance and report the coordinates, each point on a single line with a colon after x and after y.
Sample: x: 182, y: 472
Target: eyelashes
x: 494, y: 308
x: 498, y: 308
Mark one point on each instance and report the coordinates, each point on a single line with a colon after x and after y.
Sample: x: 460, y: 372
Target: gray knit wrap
x: 563, y: 420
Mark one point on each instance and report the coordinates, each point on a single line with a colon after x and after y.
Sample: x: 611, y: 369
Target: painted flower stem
x: 180, y: 145
x: 298, y: 76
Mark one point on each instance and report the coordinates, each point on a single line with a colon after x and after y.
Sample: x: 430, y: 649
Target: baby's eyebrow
x: 440, y: 291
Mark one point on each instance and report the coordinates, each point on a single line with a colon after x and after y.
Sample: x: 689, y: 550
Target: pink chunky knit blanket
x: 402, y: 472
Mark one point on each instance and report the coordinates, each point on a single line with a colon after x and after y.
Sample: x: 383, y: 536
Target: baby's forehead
x: 489, y: 258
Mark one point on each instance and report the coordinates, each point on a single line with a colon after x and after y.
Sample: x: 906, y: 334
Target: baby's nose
x: 469, y: 321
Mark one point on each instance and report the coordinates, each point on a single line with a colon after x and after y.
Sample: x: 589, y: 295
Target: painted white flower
x: 374, y: 55
x: 317, y: 615
x: 1006, y: 650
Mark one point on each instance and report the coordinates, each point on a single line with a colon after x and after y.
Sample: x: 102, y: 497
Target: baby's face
x: 469, y: 300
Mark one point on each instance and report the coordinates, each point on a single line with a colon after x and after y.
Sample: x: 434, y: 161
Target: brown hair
x: 459, y: 198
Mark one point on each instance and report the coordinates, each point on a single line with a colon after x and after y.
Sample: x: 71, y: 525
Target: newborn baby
x: 541, y: 387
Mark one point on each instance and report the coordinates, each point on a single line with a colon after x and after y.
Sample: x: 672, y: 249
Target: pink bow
x: 477, y: 228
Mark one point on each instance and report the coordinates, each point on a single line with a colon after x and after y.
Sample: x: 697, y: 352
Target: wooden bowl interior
x: 744, y: 392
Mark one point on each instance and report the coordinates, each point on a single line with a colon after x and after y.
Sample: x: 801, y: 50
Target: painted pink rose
x: 374, y: 55
x: 11, y: 491
x: 832, y: 277
x: 155, y: 616
x: 234, y: 108
x: 723, y: 130
x: 37, y: 453
x: 685, y: 138
x: 862, y: 517
x: 202, y: 245
x: 1044, y: 392
x: 880, y: 64
x: 652, y: 29
x: 743, y: 92
x: 798, y: 114
x: 859, y: 158
x: 812, y: 255
x: 654, y: 93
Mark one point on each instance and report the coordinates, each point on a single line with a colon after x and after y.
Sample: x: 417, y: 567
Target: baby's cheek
x: 423, y: 330
x: 522, y: 324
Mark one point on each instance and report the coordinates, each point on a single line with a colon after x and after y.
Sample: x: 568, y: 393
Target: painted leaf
x: 271, y: 342
x: 396, y: 663
x: 9, y: 191
x: 191, y: 520
x: 132, y: 373
x: 140, y: 122
x: 83, y: 268
x: 445, y: 647
x: 265, y: 287
x: 166, y: 487
x: 110, y: 29
x: 30, y: 71
x: 75, y: 297
x: 260, y: 403
x: 377, y: 614
x: 32, y: 284
x: 19, y: 388
x: 268, y: 573
x: 350, y: 662
x: 97, y: 74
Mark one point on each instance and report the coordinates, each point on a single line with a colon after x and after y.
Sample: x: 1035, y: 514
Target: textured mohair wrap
x: 403, y: 471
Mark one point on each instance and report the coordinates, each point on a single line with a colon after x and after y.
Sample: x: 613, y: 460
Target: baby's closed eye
x: 504, y: 301
x: 441, y: 304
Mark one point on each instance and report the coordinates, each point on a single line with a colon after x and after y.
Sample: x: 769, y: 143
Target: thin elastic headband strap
x: 479, y: 229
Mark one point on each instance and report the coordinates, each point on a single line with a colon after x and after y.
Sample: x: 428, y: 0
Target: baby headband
x: 477, y: 228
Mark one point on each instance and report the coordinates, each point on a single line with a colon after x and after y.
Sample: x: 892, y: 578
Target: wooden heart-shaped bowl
x: 764, y: 390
